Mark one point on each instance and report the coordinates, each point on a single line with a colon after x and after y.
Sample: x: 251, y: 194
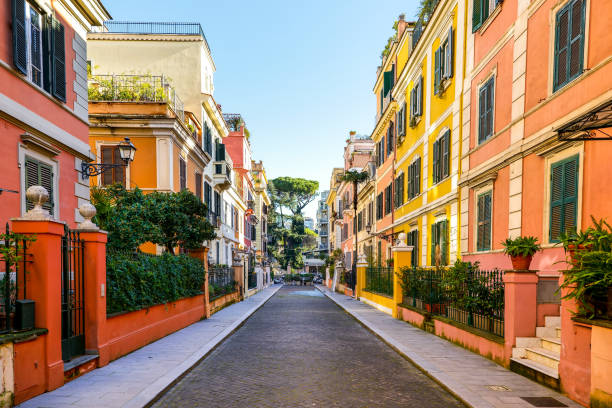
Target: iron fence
x: 135, y: 88
x: 473, y: 297
x: 379, y: 280
x: 14, y: 259
x: 421, y: 23
x: 72, y: 295
x: 144, y: 27
x: 220, y: 276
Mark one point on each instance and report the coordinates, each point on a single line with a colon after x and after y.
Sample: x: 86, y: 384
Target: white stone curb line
x: 152, y: 391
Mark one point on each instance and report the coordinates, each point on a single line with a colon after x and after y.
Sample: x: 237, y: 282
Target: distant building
x: 322, y: 225
x: 309, y: 223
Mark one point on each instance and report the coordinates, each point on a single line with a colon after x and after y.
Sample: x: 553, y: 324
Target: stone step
x: 536, y: 371
x: 524, y: 342
x: 548, y: 332
x: 552, y: 321
x: 552, y: 344
x: 543, y: 356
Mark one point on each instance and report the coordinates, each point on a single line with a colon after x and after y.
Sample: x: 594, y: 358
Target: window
x: 370, y: 213
x: 388, y: 198
x: 563, y: 197
x: 217, y: 203
x: 441, y: 158
x: 208, y: 196
x: 412, y: 238
x: 399, y: 191
x: 198, y: 185
x: 380, y: 152
x: 360, y: 221
x: 114, y: 175
x: 443, y: 61
x: 439, y: 239
x: 182, y: 173
x: 569, y: 43
x: 414, y: 179
x: 38, y: 48
x: 390, y: 138
x: 483, y: 227
x: 379, y: 206
x: 401, y: 121
x: 207, y: 139
x: 416, y: 100
x: 486, y: 101
x: 38, y: 173
x: 482, y: 10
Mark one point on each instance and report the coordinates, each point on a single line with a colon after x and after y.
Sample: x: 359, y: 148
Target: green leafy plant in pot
x: 521, y: 251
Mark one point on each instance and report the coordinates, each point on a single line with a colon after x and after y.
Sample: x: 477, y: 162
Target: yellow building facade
x: 427, y: 95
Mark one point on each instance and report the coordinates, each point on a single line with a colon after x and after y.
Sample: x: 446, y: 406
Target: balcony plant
x: 521, y: 251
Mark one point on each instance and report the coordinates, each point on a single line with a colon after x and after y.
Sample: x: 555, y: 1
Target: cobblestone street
x: 301, y: 350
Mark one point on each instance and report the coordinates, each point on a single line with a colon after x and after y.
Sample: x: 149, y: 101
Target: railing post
x: 519, y: 307
x: 44, y: 281
x: 361, y: 274
x: 94, y: 273
x: 402, y: 256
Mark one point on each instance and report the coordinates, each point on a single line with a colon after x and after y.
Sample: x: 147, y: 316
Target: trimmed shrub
x: 135, y: 280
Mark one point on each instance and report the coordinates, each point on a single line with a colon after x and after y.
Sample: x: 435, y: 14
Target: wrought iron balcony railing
x: 134, y: 88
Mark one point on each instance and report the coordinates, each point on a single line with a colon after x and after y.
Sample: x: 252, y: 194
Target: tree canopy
x: 294, y: 193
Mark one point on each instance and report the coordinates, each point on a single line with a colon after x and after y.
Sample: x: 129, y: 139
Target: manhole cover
x: 543, y: 402
x: 498, y: 388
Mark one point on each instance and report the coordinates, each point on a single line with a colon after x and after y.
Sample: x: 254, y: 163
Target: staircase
x: 538, y: 357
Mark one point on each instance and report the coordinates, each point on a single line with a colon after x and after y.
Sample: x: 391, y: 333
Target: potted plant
x: 521, y: 251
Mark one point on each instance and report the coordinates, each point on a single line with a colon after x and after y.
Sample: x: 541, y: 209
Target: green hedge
x: 136, y: 280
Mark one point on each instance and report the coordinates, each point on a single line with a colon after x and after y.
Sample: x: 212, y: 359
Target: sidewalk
x: 474, y: 379
x: 135, y: 379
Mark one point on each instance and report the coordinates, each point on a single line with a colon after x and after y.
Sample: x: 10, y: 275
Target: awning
x: 593, y: 125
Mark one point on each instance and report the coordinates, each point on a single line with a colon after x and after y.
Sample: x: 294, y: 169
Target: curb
x: 151, y: 393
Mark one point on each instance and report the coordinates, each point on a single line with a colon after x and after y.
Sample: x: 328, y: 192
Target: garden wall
x: 486, y: 344
x: 382, y: 303
x: 222, y: 301
x: 29, y: 368
x: 126, y: 332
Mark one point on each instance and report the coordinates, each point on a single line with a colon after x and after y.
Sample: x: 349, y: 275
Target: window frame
x: 567, y: 6
x: 126, y: 169
x: 23, y: 152
x: 489, y: 81
x: 486, y: 191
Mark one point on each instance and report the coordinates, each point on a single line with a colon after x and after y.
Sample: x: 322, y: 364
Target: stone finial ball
x: 37, y: 195
x: 87, y: 211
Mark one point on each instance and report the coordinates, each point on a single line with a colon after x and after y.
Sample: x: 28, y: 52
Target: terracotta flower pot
x: 521, y: 263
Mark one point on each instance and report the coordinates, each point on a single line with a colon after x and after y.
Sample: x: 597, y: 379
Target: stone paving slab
x: 468, y: 375
x: 137, y: 378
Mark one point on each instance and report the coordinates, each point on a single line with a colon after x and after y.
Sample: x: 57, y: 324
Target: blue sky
x: 300, y: 73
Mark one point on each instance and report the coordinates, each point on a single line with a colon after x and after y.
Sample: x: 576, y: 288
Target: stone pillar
x: 362, y: 264
x: 575, y: 359
x: 44, y: 280
x: 202, y: 255
x: 402, y: 256
x: 238, y: 266
x: 520, y: 289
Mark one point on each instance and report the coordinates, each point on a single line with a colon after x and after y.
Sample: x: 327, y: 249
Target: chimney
x: 352, y: 134
x: 401, y: 26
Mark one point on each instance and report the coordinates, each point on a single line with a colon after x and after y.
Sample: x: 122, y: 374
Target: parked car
x: 278, y: 280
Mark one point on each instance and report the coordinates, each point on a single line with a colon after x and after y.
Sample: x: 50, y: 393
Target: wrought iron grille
x: 73, y: 305
x: 476, y: 299
x: 14, y: 260
x: 379, y: 280
x: 252, y: 276
x: 135, y: 88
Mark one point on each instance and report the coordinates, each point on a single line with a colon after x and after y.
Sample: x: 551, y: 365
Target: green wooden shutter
x: 480, y: 223
x: 415, y: 252
x: 487, y: 221
x: 38, y: 173
x: 46, y: 53
x: 561, y: 47
x: 444, y: 242
x: 482, y: 96
x: 20, y: 47
x: 450, y: 54
x: 437, y: 65
x: 420, y: 97
x: 433, y: 243
x: 489, y: 107
x: 563, y: 197
x: 59, y: 61
x: 409, y: 187
x: 477, y: 15
x: 576, y: 38
x: 446, y: 154
x: 387, y: 82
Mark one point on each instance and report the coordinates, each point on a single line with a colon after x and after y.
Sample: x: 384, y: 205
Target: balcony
x: 135, y: 88
x: 222, y: 168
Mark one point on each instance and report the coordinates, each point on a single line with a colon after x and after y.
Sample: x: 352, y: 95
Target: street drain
x: 543, y: 402
x: 498, y: 388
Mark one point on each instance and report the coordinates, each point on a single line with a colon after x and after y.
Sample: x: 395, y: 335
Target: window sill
x: 567, y: 84
x: 417, y: 120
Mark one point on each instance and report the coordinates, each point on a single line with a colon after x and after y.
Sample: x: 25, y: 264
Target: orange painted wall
x: 597, y: 184
x: 130, y: 331
x: 484, y: 41
x: 29, y: 368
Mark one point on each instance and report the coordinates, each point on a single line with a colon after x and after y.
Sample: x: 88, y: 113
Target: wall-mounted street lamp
x: 126, y: 151
x: 368, y: 229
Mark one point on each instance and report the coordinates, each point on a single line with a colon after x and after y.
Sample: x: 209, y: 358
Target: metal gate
x: 73, y: 311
